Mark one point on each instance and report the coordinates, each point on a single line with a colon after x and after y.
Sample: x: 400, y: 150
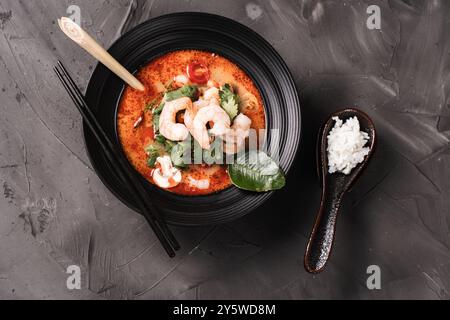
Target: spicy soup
x: 135, y: 121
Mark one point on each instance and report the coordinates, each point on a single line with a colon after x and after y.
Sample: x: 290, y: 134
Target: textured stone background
x: 54, y: 211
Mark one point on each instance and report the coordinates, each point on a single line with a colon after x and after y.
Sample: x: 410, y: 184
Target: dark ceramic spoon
x: 334, y: 187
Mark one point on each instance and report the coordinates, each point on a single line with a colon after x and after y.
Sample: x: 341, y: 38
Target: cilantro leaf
x: 151, y: 161
x: 184, y: 91
x: 231, y: 107
x: 226, y: 91
x: 168, y: 145
x: 153, y: 152
x: 156, y: 114
x: 158, y: 109
x: 229, y: 101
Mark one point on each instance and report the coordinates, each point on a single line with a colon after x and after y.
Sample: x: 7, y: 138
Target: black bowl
x: 210, y: 33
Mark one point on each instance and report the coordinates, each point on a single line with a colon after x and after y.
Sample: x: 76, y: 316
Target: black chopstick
x: 120, y: 165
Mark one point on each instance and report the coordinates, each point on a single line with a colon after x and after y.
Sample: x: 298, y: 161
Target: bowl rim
x: 266, y: 134
x: 286, y: 73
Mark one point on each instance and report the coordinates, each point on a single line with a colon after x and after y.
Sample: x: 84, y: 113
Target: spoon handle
x: 322, y: 236
x: 84, y: 40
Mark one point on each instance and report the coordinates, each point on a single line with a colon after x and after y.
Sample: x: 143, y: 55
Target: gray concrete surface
x: 54, y: 211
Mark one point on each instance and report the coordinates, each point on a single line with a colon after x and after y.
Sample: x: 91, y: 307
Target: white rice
x: 346, y: 145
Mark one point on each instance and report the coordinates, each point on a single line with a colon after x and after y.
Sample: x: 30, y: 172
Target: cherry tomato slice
x: 197, y: 73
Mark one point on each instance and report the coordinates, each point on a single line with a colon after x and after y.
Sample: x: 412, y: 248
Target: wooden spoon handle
x: 84, y: 40
x: 322, y: 236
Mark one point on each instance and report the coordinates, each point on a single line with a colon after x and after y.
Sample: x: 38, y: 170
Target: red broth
x: 155, y: 76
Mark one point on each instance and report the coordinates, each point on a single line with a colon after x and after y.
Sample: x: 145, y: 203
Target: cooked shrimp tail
x: 214, y: 114
x: 167, y: 121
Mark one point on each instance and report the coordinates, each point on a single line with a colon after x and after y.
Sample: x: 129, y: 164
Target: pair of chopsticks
x: 120, y: 165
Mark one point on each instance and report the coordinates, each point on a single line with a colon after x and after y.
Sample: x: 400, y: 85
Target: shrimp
x: 212, y: 113
x: 191, y: 112
x: 235, y: 137
x: 166, y: 176
x: 199, y: 184
x: 167, y: 125
x: 210, y: 97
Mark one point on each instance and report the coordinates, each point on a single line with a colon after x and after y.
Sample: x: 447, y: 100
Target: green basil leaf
x: 256, y: 171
